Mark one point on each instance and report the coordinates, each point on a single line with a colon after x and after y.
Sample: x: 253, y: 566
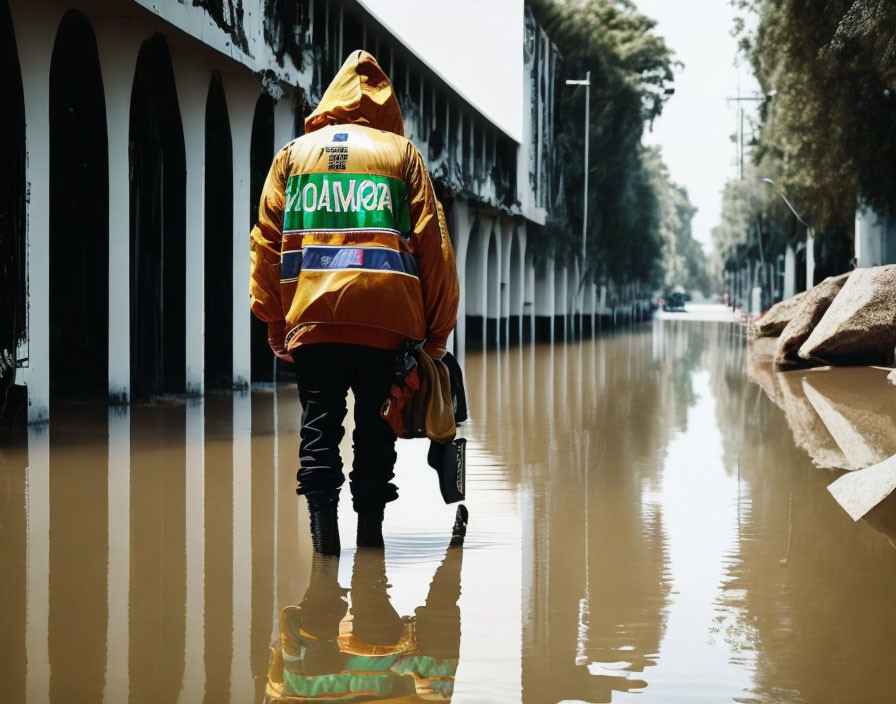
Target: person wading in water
x: 350, y: 257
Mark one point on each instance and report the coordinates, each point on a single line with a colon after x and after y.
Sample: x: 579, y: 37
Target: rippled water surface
x: 645, y: 521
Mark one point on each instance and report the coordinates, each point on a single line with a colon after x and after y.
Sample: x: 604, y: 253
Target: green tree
x: 631, y: 77
x: 683, y: 259
x: 826, y: 133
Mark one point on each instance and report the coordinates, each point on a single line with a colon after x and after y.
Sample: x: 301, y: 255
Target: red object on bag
x: 401, y: 394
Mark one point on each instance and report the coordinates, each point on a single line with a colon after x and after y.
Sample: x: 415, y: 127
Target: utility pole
x: 740, y: 99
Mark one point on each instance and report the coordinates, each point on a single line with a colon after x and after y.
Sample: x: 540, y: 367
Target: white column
x: 492, y: 289
x: 789, y: 272
x: 875, y: 238
x: 505, y: 235
x: 485, y: 230
x: 459, y: 228
x: 36, y: 30
x: 242, y: 91
x: 192, y: 79
x: 810, y: 258
x: 118, y: 584
x: 520, y: 267
x: 118, y: 44
x: 37, y: 568
x: 284, y: 122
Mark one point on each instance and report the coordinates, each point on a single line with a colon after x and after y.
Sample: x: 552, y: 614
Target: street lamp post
x: 810, y: 236
x: 587, y: 83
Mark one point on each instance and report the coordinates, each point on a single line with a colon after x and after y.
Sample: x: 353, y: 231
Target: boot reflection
x: 370, y: 654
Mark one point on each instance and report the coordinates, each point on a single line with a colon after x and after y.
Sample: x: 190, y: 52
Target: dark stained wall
x: 228, y: 15
x: 12, y: 198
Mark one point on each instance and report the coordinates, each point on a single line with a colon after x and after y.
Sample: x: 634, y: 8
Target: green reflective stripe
x: 337, y: 200
x: 426, y: 666
x: 342, y: 683
x: 372, y: 663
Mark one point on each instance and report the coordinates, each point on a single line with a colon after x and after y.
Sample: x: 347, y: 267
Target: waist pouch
x: 419, y: 403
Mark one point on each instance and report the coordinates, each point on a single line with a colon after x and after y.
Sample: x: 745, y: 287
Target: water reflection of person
x: 370, y: 653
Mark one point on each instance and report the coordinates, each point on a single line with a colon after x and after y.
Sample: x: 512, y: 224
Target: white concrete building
x: 875, y: 238
x: 138, y: 136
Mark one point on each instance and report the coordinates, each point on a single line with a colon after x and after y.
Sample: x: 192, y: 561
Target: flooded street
x: 645, y: 524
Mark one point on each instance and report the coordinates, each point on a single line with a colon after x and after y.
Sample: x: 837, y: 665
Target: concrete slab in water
x: 860, y: 492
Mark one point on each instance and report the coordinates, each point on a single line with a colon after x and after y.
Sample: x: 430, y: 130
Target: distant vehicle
x: 674, y: 302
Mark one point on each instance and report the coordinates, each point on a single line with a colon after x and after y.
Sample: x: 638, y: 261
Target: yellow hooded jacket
x: 351, y: 244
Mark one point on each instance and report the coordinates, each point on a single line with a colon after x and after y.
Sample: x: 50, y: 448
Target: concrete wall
x: 875, y: 239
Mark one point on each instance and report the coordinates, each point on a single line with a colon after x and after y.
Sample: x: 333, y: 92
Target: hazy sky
x: 477, y: 46
x: 695, y: 128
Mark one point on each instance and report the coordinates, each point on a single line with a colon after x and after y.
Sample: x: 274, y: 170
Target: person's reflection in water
x: 370, y: 653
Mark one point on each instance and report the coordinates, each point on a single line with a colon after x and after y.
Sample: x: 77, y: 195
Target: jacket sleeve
x: 264, y: 246
x: 435, y: 255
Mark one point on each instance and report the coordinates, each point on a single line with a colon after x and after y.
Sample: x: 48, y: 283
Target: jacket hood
x: 360, y: 94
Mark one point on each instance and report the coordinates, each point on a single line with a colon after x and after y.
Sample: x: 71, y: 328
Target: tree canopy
x: 639, y: 222
x: 827, y: 69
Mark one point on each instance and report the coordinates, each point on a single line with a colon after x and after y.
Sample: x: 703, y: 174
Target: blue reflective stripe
x: 371, y: 258
x: 290, y: 265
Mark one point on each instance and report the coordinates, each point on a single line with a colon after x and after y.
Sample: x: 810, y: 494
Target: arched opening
x: 475, y: 320
x: 79, y: 216
x: 12, y: 208
x: 158, y: 223
x: 801, y: 277
x: 218, y: 239
x: 590, y: 304
x: 515, y: 289
x: 261, y: 154
x: 492, y: 300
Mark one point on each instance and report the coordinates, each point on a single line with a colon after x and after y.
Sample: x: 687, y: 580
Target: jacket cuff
x: 277, y: 335
x: 435, y: 348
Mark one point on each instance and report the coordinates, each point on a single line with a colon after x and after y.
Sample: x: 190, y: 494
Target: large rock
x: 815, y: 303
x: 860, y: 492
x: 859, y: 327
x: 779, y: 315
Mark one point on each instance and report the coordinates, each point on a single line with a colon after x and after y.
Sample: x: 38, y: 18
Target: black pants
x: 324, y: 374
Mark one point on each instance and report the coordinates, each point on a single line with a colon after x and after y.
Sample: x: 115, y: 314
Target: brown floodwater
x: 647, y: 523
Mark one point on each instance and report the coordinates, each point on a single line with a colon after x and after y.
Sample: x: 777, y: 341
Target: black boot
x: 324, y: 526
x: 370, y: 528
